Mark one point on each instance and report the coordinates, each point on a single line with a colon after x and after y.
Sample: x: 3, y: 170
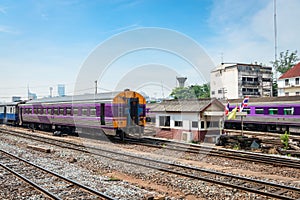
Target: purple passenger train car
x: 103, y: 111
x: 271, y: 114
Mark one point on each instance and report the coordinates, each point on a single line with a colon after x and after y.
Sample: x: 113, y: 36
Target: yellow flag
x: 232, y: 114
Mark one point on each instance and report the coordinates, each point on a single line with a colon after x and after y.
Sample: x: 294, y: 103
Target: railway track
x: 212, y: 151
x: 51, y: 184
x: 268, y: 189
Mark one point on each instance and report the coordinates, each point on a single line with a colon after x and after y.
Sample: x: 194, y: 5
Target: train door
x: 134, y: 112
x: 5, y: 115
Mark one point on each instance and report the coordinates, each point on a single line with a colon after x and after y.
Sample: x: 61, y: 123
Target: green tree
x: 190, y: 92
x: 285, y: 62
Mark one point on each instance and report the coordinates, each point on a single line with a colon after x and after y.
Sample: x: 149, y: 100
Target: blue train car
x: 9, y: 113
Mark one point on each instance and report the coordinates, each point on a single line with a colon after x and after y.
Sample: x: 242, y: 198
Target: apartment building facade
x: 237, y: 80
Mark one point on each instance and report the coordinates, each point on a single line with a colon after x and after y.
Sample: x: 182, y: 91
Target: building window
x: 297, y: 93
x: 194, y: 124
x: 286, y: 82
x: 202, y: 124
x: 220, y: 91
x: 259, y: 111
x: 164, y: 121
x: 178, y: 124
x: 273, y: 111
x: 212, y: 124
x: 286, y: 94
x: 288, y: 111
x: 212, y: 92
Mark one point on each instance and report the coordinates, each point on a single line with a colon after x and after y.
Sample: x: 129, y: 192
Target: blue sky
x: 45, y: 42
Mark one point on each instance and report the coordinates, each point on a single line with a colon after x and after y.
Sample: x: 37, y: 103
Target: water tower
x: 181, y: 81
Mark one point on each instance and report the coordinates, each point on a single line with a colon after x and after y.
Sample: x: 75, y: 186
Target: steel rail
x: 91, y: 190
x: 190, y: 175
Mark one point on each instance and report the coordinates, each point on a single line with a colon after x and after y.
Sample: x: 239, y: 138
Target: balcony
x: 251, y: 83
x: 251, y: 93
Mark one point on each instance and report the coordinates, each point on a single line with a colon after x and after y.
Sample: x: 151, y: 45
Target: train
x: 268, y: 114
x: 123, y: 112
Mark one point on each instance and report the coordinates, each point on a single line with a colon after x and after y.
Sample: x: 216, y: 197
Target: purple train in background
x: 269, y: 114
x: 123, y: 112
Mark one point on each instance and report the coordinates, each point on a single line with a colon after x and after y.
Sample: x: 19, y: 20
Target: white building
x: 188, y: 119
x: 236, y: 80
x: 289, y: 82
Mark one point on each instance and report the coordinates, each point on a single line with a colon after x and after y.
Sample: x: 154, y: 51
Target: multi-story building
x: 289, y: 82
x: 61, y: 90
x: 237, y: 80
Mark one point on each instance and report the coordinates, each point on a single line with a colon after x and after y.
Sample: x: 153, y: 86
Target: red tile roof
x: 293, y: 72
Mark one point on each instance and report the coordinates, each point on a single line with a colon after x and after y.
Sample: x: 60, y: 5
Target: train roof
x: 267, y: 100
x: 107, y: 96
x: 11, y: 103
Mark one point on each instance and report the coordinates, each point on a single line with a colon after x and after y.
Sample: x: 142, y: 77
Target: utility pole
x: 96, y: 86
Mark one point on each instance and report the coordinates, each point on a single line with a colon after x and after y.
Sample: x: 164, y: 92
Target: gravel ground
x: 91, y: 170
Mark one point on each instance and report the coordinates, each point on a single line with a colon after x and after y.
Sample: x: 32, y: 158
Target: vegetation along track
x: 238, y: 182
x: 50, y: 183
x: 211, y: 151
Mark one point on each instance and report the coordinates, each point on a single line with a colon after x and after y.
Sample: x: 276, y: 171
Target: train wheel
x: 121, y: 134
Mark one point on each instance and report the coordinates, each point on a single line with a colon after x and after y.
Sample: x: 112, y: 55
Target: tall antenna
x: 275, y: 34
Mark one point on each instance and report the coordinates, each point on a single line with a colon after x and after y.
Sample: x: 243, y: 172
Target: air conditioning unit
x: 187, y: 136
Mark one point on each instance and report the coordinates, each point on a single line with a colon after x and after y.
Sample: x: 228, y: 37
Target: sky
x: 44, y: 43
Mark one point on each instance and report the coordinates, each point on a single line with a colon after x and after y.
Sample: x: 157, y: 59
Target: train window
x: 41, y: 111
x: 194, y: 124
x: 259, y: 111
x: 30, y: 110
x: 84, y: 111
x: 288, y: 111
x: 50, y: 111
x: 69, y: 111
x: 44, y: 110
x: 62, y: 111
x: 247, y: 110
x: 93, y: 111
x: 35, y: 110
x: 75, y: 111
x: 55, y: 111
x: 273, y: 111
x: 178, y: 124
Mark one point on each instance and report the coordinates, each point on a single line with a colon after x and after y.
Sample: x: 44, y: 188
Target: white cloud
x: 250, y: 37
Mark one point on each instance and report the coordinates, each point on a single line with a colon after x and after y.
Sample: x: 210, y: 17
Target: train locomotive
x: 123, y: 112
